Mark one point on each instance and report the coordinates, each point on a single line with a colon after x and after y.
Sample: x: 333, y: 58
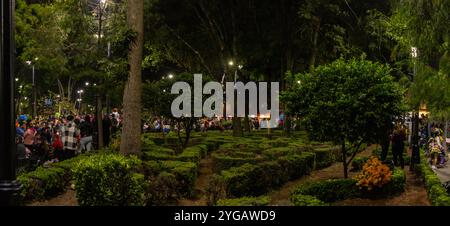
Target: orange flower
x: 374, y: 174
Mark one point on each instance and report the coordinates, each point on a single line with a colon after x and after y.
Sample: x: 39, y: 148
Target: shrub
x: 330, y: 190
x: 397, y: 184
x: 324, y: 157
x: 245, y: 201
x: 297, y: 165
x: 42, y: 183
x: 275, y: 153
x: 162, y: 190
x: 108, y: 180
x: 436, y: 191
x: 273, y: 174
x: 358, y: 163
x: 255, y: 180
x: 340, y: 189
x: 159, y: 149
x: 150, y: 155
x: 185, y: 173
x: 279, y: 142
x: 244, y: 181
x: 374, y: 175
x: 224, y: 162
x: 306, y: 200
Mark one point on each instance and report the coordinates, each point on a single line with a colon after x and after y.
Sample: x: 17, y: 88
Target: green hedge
x: 42, y: 183
x: 257, y: 179
x: 306, y: 200
x: 329, y: 191
x: 436, y: 191
x: 358, y: 163
x: 245, y: 201
x: 244, y: 181
x: 324, y: 157
x: 190, y: 154
x: 223, y: 161
x: 297, y: 165
x: 108, y: 180
x: 193, y: 154
x: 185, y: 173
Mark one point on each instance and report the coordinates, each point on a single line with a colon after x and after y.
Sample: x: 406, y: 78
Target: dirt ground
x: 206, y: 166
x: 68, y: 198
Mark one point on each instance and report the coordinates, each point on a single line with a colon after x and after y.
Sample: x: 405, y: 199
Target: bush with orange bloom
x: 374, y: 174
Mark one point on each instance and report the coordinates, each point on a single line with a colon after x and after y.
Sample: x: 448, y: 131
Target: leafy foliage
x: 352, y: 101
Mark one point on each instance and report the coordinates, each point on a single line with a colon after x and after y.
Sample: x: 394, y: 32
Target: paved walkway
x: 443, y: 173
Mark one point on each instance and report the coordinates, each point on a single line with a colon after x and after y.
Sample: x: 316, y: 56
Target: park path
x: 68, y: 198
x: 201, y: 184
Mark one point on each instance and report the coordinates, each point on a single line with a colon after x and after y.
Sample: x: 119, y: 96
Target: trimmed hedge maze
x: 244, y: 168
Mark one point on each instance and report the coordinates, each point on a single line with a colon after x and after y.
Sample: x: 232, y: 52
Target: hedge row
x: 185, y: 174
x: 255, y: 180
x: 227, y: 158
x: 190, y: 154
x: 436, y: 191
x: 109, y: 180
x: 323, y: 192
x: 245, y: 201
x: 44, y: 183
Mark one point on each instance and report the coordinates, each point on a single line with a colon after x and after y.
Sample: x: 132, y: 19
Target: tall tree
x: 131, y: 134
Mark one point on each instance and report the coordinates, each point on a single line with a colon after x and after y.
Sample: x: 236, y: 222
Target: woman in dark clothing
x: 398, y: 145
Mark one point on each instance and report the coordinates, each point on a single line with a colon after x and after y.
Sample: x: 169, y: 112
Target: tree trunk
x: 237, y: 127
x: 315, y: 48
x: 99, y: 112
x: 247, y: 124
x: 131, y: 133
x: 344, y: 160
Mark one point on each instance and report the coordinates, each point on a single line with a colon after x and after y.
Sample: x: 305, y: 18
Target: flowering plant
x: 374, y: 174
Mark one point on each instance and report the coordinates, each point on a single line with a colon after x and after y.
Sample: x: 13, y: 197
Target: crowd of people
x: 435, y: 146
x: 431, y: 139
x: 158, y: 124
x: 44, y: 140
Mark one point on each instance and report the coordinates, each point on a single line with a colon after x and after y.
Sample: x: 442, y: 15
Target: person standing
x: 398, y: 145
x: 69, y: 138
x: 106, y: 130
x: 86, y: 132
x: 29, y: 136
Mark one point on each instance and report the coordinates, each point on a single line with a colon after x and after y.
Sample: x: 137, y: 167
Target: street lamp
x: 9, y: 186
x: 87, y: 83
x: 170, y: 76
x: 31, y: 63
x: 415, y: 155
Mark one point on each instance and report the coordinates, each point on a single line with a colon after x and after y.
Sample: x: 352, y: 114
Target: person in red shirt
x: 57, y: 146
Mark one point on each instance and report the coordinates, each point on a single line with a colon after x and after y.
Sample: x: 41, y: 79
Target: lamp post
x: 80, y: 92
x: 9, y: 186
x: 415, y: 155
x: 31, y: 63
